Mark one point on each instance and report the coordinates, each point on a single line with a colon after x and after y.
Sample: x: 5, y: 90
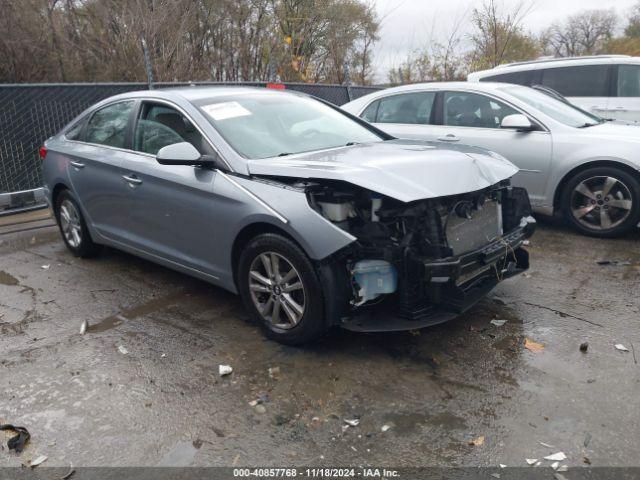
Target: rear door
x: 95, y: 167
x: 405, y: 115
x: 172, y: 210
x: 626, y: 104
x: 587, y: 86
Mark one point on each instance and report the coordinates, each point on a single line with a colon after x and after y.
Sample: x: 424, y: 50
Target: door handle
x: 449, y: 138
x: 76, y: 164
x: 132, y: 180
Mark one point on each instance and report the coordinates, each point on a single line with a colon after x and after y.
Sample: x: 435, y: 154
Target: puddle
x: 409, y: 423
x: 140, y: 310
x: 7, y: 279
x: 181, y: 455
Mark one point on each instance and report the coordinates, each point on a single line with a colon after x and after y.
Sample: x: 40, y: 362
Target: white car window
x: 559, y: 111
x: 464, y: 109
x: 407, y: 108
x: 629, y: 80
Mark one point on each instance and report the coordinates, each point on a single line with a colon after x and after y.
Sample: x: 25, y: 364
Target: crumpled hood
x: 406, y: 170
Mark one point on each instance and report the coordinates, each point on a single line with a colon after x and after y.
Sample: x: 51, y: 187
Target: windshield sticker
x: 222, y: 111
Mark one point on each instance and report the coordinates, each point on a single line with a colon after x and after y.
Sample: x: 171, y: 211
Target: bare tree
x: 585, y: 33
x: 498, y: 36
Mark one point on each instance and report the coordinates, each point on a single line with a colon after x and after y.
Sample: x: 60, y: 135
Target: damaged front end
x: 423, y: 262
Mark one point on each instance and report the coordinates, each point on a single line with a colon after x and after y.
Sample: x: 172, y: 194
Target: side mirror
x: 184, y: 153
x: 517, y: 122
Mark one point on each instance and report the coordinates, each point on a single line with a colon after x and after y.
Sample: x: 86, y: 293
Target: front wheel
x: 602, y: 202
x: 281, y: 288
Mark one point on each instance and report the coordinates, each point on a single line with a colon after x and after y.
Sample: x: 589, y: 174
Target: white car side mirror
x: 518, y: 122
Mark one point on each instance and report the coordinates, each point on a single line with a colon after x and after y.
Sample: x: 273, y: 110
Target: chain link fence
x: 29, y: 114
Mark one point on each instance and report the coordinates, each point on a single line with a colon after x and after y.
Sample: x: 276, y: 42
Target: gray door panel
x: 96, y: 177
x: 172, y: 211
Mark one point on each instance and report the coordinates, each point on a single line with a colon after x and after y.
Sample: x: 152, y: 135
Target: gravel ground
x: 439, y: 390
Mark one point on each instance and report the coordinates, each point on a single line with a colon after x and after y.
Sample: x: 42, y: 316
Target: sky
x: 409, y: 24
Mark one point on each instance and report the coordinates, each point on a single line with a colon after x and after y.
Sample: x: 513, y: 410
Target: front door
x: 172, y: 207
x: 626, y: 104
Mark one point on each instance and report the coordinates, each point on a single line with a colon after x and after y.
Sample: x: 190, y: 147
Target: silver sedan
x: 570, y: 161
x: 313, y: 216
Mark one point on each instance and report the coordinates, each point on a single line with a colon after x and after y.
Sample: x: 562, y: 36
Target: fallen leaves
x: 533, y: 346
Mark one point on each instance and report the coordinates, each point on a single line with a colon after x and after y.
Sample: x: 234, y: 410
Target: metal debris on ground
x: 45, y: 267
x: 274, y: 372
x: 555, y: 465
x: 38, y: 461
x: 83, y: 327
x: 502, y: 465
x: 584, y: 346
x: 498, y: 323
x: 546, y: 445
x: 533, y: 346
x: 122, y: 350
x: 224, y: 370
x: 477, y: 441
x: 385, y: 427
x: 556, y: 457
x: 352, y: 423
x: 495, y: 475
x: 621, y: 347
x: 562, y: 468
x: 18, y: 441
x: 531, y: 461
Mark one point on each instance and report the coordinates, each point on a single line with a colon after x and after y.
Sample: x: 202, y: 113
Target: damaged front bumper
x: 440, y: 290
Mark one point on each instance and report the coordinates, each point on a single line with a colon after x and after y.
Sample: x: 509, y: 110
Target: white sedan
x: 569, y: 160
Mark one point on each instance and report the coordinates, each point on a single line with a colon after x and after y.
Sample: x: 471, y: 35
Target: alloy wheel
x: 70, y: 223
x: 601, y: 203
x: 277, y: 290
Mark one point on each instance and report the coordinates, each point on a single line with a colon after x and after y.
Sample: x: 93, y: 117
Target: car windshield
x: 554, y: 108
x: 270, y: 124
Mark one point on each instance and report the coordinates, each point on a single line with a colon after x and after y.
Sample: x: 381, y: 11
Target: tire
x: 602, y: 202
x: 73, y: 227
x: 273, y: 293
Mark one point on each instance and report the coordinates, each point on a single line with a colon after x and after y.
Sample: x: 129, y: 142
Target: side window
x: 410, y: 108
x: 579, y: 81
x: 519, y: 78
x: 160, y: 125
x: 629, y: 80
x: 108, y: 126
x: 74, y: 132
x: 371, y: 112
x: 463, y: 109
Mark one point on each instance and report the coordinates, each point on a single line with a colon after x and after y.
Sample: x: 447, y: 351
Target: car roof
x: 555, y: 63
x: 484, y: 86
x: 195, y: 94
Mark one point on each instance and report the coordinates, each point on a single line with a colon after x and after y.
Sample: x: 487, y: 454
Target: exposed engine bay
x: 422, y: 256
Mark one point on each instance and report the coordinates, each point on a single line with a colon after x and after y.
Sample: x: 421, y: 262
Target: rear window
x: 578, y: 81
x: 406, y: 108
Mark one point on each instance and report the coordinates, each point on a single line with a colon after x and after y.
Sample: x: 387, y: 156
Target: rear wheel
x: 73, y: 226
x: 279, y: 285
x: 602, y: 202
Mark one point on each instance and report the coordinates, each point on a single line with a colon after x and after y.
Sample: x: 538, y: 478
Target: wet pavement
x: 163, y: 402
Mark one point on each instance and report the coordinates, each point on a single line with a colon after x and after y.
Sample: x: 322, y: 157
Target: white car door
x: 474, y: 119
x: 626, y: 105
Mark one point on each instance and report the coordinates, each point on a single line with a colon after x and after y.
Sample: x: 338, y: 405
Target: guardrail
x: 31, y: 113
